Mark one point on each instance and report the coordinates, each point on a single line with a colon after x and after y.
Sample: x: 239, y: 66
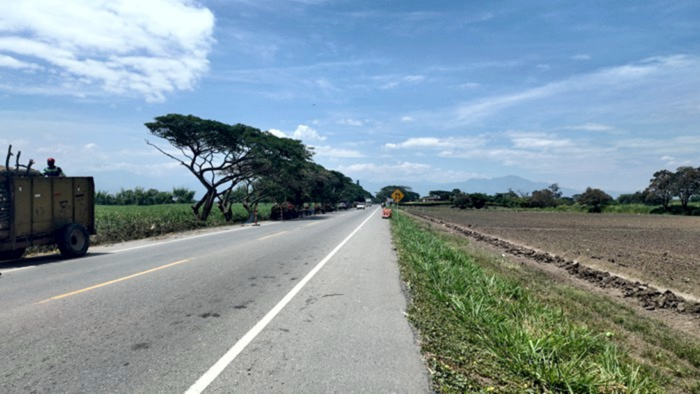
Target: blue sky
x: 599, y: 94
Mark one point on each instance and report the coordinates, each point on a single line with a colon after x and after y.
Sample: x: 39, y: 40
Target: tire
x: 73, y: 240
x: 12, y: 254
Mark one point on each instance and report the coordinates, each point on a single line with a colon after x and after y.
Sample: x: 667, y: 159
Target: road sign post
x: 397, y: 195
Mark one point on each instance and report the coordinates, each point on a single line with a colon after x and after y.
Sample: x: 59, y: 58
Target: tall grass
x: 484, y: 332
x: 116, y: 223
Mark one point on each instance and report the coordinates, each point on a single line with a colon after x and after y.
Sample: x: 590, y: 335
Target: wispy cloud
x: 127, y: 47
x: 404, y: 171
x: 595, y: 127
x: 11, y: 62
x: 394, y: 81
x: 641, y: 75
x: 350, y: 122
x: 433, y: 143
x: 330, y: 152
x: 538, y: 141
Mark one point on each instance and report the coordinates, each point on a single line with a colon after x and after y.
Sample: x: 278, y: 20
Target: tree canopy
x: 240, y: 162
x: 221, y: 156
x: 409, y: 194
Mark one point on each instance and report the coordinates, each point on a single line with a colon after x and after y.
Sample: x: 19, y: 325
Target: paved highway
x: 305, y: 306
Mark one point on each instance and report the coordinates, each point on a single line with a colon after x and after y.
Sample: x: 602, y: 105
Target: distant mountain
x: 489, y: 186
x: 510, y: 182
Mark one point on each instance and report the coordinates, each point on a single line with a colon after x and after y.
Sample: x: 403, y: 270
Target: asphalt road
x: 304, y: 306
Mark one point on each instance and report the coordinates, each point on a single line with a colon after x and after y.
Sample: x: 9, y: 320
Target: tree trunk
x: 206, y: 203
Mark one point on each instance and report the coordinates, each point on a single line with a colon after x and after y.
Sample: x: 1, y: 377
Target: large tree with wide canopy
x: 222, y: 156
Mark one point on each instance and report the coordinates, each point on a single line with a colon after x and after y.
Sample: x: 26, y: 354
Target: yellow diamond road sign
x: 397, y: 195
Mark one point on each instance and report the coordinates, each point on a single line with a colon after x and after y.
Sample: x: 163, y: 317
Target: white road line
x: 214, y: 372
x: 17, y: 269
x: 178, y: 240
x: 156, y: 243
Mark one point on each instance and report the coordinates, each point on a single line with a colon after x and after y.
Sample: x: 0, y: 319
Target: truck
x: 35, y: 210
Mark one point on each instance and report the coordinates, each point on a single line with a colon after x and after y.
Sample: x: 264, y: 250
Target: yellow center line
x: 311, y: 224
x: 112, y: 282
x: 271, y: 235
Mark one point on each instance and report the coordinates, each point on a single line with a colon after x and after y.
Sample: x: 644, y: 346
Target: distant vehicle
x: 342, y: 205
x: 360, y: 205
x: 368, y: 202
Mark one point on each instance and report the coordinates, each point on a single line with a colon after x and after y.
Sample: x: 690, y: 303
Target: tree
x: 661, y: 188
x: 443, y: 195
x: 474, y: 200
x: 556, y: 191
x: 544, y: 198
x: 634, y: 198
x: 277, y: 170
x: 479, y: 200
x: 686, y: 184
x: 183, y: 195
x: 386, y: 191
x: 222, y: 156
x: 509, y: 199
x: 463, y: 201
x: 594, y: 199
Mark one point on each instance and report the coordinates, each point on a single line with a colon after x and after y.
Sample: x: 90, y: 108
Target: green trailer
x: 45, y: 211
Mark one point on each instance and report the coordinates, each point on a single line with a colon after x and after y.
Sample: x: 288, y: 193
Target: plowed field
x: 662, y: 251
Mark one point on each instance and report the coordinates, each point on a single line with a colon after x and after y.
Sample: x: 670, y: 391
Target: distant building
x: 430, y: 199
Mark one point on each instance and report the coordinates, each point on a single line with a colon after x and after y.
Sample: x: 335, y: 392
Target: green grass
x: 487, y: 325
x: 674, y: 209
x: 118, y: 223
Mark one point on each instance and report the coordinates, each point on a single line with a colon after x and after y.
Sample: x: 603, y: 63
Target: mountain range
x: 488, y: 186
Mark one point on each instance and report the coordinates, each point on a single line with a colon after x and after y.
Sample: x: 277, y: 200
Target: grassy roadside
x: 117, y: 223
x: 490, y: 326
x: 120, y: 223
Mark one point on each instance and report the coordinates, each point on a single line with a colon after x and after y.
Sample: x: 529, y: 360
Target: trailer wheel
x: 12, y: 254
x: 73, y: 240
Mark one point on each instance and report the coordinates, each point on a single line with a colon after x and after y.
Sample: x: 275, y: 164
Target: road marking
x: 141, y: 246
x: 112, y: 281
x: 311, y: 224
x: 271, y: 235
x: 176, y: 240
x: 203, y: 382
x: 17, y: 269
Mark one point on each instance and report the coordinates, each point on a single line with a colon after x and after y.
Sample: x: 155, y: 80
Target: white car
x: 360, y: 205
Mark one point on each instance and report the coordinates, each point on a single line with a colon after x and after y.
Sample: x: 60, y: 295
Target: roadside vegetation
x: 119, y: 223
x: 675, y: 193
x: 242, y: 164
x: 487, y: 325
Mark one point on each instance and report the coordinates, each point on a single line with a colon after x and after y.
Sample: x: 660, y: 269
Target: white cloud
x: 469, y: 86
x: 407, y: 119
x: 336, y: 153
x: 644, y: 77
x: 11, y: 62
x: 351, y: 122
x: 403, y: 171
x: 414, y: 78
x: 394, y: 81
x: 581, y: 56
x: 523, y: 140
x: 593, y: 127
x: 306, y: 133
x: 125, y: 47
x: 432, y: 142
x: 278, y: 133
x: 302, y: 133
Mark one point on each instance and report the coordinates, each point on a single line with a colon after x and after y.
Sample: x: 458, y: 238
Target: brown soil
x: 650, y: 259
